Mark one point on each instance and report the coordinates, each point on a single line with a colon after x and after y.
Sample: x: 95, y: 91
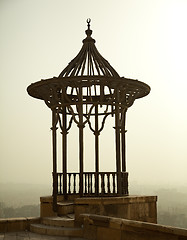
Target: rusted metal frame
x: 72, y: 89
x: 79, y: 98
x: 110, y: 102
x: 123, y: 152
x: 51, y: 102
x: 123, y: 131
x: 83, y: 66
x: 46, y: 98
x: 65, y: 95
x: 90, y: 93
x: 83, y: 63
x: 85, y: 183
x: 67, y: 70
x: 80, y: 105
x: 102, y: 124
x: 97, y: 56
x: 88, y: 59
x: 86, y: 109
x: 96, y: 133
x: 91, y: 183
x: 96, y: 64
x: 130, y: 99
x: 91, y: 67
x: 87, y: 91
x: 102, y: 63
x: 61, y: 125
x: 95, y: 90
x: 61, y: 94
x: 74, y: 184
x: 54, y: 144
x: 102, y: 59
x: 95, y: 179
x: 102, y: 183
x: 118, y: 150
x: 114, y: 182
x: 54, y: 98
x: 103, y: 68
x: 80, y: 60
x: 106, y: 110
x: 70, y: 111
x: 125, y: 183
x: 90, y: 173
x: 69, y: 183
x: 64, y: 151
x: 81, y: 144
x: 59, y: 189
x: 40, y: 89
x: 108, y: 183
x: 112, y: 99
x: 102, y: 93
x: 70, y: 123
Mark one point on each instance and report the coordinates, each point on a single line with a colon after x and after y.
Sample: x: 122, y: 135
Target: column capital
x: 54, y: 128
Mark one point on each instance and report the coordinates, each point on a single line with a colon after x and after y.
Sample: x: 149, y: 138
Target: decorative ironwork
x: 89, y: 88
x: 107, y: 183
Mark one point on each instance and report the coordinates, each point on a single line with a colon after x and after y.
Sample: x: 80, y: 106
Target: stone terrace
x: 32, y: 236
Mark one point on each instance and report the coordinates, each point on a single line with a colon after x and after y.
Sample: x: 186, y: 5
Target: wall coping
x: 60, y: 198
x: 17, y: 224
x: 128, y: 225
x: 18, y: 219
x: 115, y: 200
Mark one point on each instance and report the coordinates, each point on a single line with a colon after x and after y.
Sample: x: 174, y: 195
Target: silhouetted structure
x: 87, y: 91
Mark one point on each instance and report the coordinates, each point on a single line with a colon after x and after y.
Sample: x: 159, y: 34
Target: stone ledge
x: 139, y: 208
x: 60, y: 198
x: 115, y: 200
x: 124, y: 225
x: 17, y: 224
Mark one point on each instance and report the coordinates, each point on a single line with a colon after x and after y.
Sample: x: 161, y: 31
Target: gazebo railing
x: 94, y: 184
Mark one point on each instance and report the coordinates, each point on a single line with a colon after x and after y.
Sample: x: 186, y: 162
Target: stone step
x: 64, y: 208
x: 56, y: 231
x: 63, y: 221
x: 71, y: 215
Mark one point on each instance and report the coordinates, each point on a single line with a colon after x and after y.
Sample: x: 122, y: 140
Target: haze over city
x: 144, y: 40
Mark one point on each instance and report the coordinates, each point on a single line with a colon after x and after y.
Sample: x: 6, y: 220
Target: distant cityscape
x: 22, y: 200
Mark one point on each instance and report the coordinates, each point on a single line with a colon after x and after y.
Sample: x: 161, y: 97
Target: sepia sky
x: 144, y: 40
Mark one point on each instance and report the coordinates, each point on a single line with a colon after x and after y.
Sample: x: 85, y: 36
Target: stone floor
x: 32, y: 236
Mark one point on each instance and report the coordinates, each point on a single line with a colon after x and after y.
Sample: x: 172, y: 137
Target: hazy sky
x: 142, y: 39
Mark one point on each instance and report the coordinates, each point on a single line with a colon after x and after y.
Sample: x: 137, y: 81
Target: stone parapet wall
x: 140, y: 208
x: 98, y: 227
x: 16, y: 224
x: 46, y: 204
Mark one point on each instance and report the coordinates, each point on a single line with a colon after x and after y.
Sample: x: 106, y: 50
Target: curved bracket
x: 102, y: 125
x: 71, y: 111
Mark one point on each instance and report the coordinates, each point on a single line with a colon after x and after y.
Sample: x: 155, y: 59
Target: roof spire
x: 88, y: 31
x: 88, y: 21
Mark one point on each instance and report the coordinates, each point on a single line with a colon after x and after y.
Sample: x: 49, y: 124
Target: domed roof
x: 89, y: 61
x: 97, y: 79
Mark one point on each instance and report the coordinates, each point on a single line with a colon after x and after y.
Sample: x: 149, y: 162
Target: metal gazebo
x: 86, y: 92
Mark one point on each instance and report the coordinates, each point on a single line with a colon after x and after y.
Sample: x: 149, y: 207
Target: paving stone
x: 58, y: 221
x: 22, y: 234
x: 33, y: 236
x: 10, y: 236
